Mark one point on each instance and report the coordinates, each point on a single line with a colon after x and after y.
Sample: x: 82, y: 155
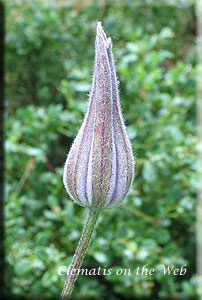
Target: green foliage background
x: 49, y: 64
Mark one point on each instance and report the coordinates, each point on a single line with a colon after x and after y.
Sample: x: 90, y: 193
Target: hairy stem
x: 80, y: 252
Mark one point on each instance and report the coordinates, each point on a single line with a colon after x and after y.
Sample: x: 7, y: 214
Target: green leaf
x: 23, y: 267
x: 149, y: 173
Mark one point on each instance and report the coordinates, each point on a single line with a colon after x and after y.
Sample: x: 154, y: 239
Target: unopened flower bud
x: 99, y: 169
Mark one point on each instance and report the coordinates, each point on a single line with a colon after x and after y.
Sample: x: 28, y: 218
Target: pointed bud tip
x: 100, y: 32
x: 99, y: 27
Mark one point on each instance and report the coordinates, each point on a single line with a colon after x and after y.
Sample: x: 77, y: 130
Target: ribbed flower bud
x: 99, y: 169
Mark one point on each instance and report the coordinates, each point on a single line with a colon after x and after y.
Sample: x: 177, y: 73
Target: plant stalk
x: 80, y: 253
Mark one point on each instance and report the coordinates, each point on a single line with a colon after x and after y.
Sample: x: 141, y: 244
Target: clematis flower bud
x: 99, y: 169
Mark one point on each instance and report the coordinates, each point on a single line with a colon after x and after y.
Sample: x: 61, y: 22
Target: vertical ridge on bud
x: 76, y: 165
x: 125, y: 160
x: 102, y: 167
x: 99, y: 169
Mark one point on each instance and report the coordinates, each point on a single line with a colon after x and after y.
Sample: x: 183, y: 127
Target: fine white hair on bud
x: 99, y: 168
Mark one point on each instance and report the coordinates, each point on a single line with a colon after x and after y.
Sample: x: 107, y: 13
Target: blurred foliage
x: 49, y: 62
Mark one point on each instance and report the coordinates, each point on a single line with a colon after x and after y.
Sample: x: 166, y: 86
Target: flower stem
x: 80, y: 252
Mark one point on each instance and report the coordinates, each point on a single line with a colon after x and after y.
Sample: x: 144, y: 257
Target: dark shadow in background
x: 1, y: 145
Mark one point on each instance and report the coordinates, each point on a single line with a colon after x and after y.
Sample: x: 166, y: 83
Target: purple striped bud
x: 99, y: 169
